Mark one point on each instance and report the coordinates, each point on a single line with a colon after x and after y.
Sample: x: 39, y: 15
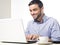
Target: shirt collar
x: 44, y: 19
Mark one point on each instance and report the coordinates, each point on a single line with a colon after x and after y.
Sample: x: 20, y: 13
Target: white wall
x: 21, y: 9
x: 5, y: 9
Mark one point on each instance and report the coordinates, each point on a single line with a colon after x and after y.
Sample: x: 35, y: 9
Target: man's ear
x: 42, y: 8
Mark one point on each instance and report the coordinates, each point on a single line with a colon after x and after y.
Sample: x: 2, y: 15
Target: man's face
x: 35, y: 10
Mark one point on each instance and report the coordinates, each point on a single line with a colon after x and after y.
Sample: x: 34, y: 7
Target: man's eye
x: 34, y: 9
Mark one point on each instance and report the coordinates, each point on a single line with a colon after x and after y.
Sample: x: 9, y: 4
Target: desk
x: 22, y: 44
x: 15, y: 44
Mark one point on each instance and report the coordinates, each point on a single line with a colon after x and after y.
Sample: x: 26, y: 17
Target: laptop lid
x: 12, y: 30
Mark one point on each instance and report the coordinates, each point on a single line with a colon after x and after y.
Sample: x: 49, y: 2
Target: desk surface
x: 22, y: 44
x: 16, y: 44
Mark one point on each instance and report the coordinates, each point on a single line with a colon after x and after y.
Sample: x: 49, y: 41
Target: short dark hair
x: 40, y: 4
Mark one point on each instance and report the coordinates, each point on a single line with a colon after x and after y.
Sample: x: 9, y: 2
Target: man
x: 41, y: 25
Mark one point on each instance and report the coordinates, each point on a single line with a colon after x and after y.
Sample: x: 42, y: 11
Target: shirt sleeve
x: 55, y: 33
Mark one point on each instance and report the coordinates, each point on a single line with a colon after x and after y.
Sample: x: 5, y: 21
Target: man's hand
x: 49, y: 40
x: 32, y: 37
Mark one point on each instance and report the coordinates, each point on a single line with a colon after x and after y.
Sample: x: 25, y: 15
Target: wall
x: 5, y: 9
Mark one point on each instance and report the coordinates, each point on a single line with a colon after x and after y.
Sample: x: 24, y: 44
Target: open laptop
x: 12, y: 31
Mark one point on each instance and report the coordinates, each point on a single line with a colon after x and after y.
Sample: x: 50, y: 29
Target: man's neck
x: 40, y: 19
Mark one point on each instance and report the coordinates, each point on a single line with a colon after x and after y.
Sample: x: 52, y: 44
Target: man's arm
x: 55, y: 33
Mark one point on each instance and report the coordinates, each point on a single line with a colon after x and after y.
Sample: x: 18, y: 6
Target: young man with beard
x: 41, y: 25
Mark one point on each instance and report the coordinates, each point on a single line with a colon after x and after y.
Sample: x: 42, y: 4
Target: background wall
x: 5, y: 9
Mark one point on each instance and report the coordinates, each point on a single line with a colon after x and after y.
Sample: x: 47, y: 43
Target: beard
x: 36, y: 19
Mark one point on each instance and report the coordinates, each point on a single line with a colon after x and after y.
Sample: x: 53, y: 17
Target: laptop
x: 12, y: 31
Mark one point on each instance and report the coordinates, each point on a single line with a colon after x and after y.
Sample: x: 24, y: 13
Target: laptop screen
x: 12, y: 30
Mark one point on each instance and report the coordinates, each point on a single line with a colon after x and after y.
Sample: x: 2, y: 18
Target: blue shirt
x: 49, y: 27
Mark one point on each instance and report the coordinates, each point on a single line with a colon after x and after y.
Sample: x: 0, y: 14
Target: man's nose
x: 32, y: 13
